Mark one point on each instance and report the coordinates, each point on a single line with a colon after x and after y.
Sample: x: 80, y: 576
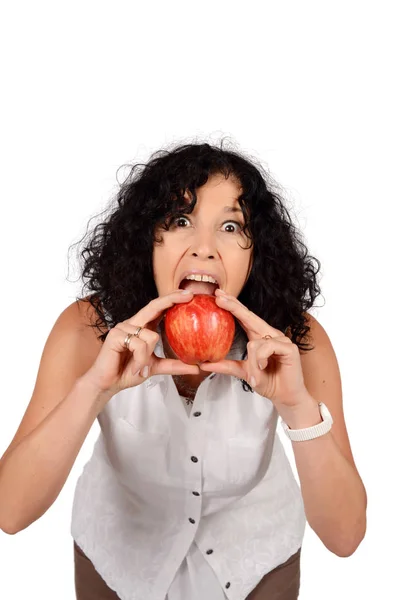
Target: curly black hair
x: 117, y: 260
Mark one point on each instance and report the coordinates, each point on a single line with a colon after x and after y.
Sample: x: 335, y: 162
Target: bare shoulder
x: 77, y: 321
x: 83, y: 316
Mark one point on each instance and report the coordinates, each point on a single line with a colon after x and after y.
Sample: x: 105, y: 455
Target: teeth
x: 196, y: 277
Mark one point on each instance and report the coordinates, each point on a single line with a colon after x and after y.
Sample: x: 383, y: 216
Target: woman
x: 189, y: 493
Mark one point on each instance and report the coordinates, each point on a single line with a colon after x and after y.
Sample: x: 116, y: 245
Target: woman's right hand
x: 117, y: 368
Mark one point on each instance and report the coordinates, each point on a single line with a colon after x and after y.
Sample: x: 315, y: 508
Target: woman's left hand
x: 273, y: 365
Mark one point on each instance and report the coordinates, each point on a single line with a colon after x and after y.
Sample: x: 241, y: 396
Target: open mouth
x: 198, y: 287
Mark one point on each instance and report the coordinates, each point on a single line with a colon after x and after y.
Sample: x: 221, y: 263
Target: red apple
x: 199, y: 330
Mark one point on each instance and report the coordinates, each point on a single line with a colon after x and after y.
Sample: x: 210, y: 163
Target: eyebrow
x: 232, y: 209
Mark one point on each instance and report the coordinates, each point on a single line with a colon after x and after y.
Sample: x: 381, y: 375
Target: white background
x: 308, y: 88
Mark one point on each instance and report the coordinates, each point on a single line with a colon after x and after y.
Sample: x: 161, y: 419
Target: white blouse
x: 187, y: 502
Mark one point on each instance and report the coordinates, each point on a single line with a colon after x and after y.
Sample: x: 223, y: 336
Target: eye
x: 239, y: 226
x: 177, y: 219
x: 177, y: 222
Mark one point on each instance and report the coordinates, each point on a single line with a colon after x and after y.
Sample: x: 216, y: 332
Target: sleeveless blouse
x: 180, y: 502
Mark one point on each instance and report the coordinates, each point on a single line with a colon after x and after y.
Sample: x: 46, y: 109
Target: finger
x: 156, y: 307
x: 251, y: 323
x: 226, y: 367
x: 258, y: 354
x: 140, y: 358
x: 171, y: 366
x: 148, y: 336
x: 141, y: 355
x: 273, y: 347
x: 262, y: 363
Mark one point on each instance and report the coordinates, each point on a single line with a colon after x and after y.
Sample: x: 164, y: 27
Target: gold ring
x: 128, y: 337
x: 267, y: 337
x: 127, y: 340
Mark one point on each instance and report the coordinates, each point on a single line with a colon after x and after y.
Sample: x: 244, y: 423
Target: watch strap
x: 309, y: 433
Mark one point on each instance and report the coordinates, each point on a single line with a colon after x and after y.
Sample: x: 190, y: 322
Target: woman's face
x: 209, y: 239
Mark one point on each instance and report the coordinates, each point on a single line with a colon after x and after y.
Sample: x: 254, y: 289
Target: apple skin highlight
x: 199, y: 330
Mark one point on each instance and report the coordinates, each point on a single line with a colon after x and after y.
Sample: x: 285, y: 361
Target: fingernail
x: 222, y: 291
x: 145, y: 371
x: 223, y: 298
x: 252, y: 382
x: 260, y: 366
x: 185, y: 291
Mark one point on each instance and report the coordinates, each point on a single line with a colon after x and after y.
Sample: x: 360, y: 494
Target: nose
x: 203, y: 245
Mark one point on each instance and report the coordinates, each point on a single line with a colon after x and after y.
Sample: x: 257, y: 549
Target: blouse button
x: 192, y: 520
x: 209, y: 551
x: 228, y: 585
x: 197, y: 414
x: 195, y: 493
x: 194, y: 459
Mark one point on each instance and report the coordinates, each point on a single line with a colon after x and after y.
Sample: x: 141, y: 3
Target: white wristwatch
x: 309, y: 433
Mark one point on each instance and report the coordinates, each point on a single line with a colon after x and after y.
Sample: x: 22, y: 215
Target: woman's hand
x: 117, y: 367
x: 273, y: 366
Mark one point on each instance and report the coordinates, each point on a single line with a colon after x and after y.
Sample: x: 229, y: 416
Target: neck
x: 184, y: 388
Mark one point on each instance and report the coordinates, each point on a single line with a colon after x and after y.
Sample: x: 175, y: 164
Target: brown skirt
x: 282, y: 583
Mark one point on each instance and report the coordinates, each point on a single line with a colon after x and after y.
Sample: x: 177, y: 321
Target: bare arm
x: 335, y: 499
x: 57, y: 419
x: 33, y: 473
